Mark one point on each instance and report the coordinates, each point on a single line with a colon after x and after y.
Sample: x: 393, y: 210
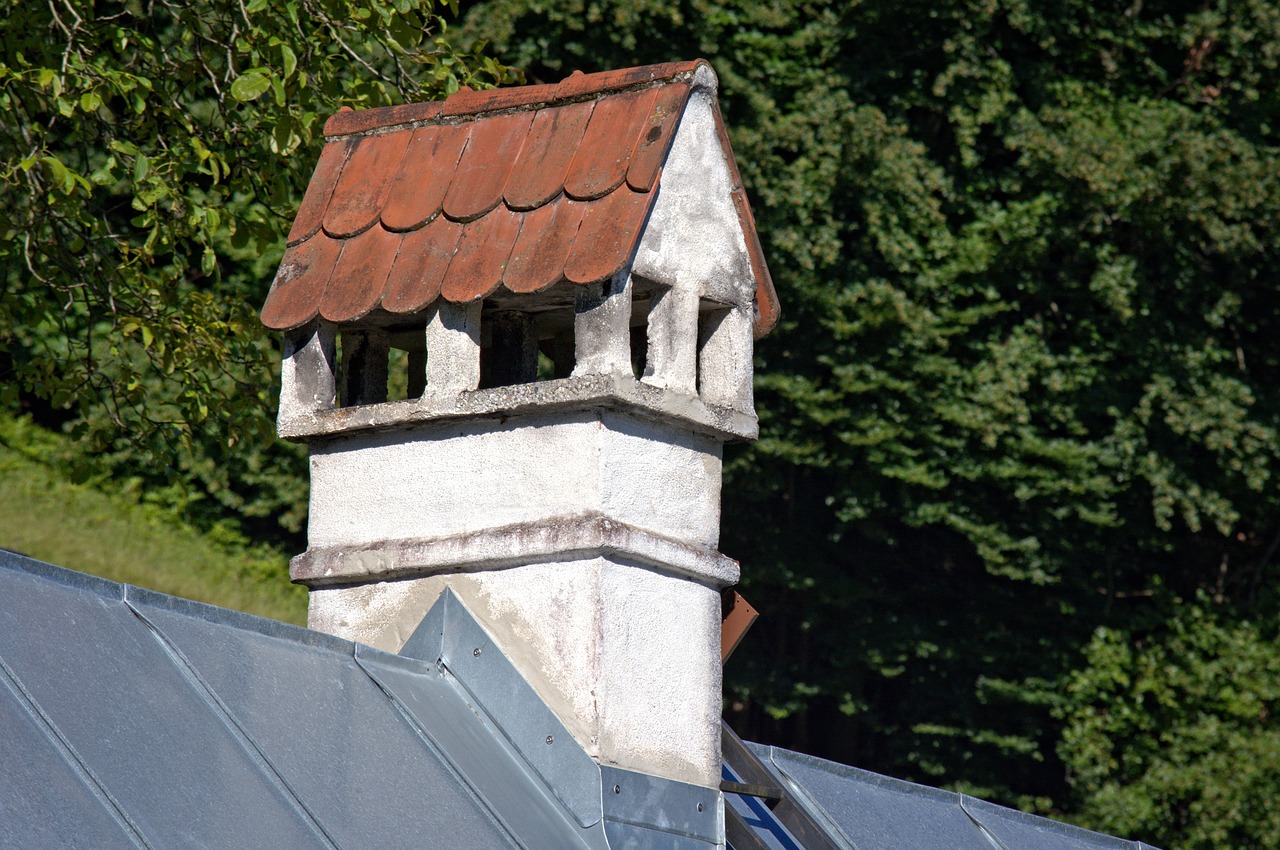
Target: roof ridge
x: 466, y: 104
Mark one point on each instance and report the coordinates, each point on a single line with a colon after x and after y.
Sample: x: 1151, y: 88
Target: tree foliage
x: 1023, y: 387
x: 151, y: 157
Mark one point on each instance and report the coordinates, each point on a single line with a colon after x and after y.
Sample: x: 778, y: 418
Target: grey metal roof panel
x: 344, y: 750
x: 878, y: 813
x: 143, y: 720
x: 95, y: 674
x: 38, y: 779
x: 1014, y: 829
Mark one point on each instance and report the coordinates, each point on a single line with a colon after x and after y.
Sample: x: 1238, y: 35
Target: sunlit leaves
x: 151, y: 158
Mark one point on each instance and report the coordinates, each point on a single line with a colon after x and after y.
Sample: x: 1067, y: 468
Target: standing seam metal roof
x: 133, y: 719
x: 137, y: 720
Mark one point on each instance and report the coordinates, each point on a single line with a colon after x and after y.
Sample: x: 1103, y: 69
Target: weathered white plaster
x: 453, y: 347
x: 694, y: 237
x: 602, y: 327
x: 306, y: 376
x: 451, y: 478
x: 551, y: 539
x: 627, y: 657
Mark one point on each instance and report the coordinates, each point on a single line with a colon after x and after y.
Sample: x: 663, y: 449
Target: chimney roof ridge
x: 467, y: 104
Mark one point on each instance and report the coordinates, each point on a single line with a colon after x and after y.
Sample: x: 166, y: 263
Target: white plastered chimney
x: 577, y: 517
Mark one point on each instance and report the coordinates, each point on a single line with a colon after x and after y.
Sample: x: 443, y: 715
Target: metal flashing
x: 468, y: 653
x: 480, y: 754
x: 664, y: 805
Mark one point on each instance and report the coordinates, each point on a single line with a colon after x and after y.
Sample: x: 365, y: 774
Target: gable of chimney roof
x: 516, y: 188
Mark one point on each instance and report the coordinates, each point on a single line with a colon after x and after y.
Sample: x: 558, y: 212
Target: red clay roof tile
x: 320, y: 190
x: 425, y: 175
x: 362, y: 189
x: 420, y: 267
x: 608, y: 235
x: 548, y: 151
x: 481, y: 257
x: 656, y: 136
x: 558, y: 155
x: 604, y: 153
x: 486, y: 163
x: 364, y: 266
x: 300, y: 283
x: 537, y: 260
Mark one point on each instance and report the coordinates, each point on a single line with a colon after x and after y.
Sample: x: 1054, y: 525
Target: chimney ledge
x: 582, y: 393
x: 577, y: 537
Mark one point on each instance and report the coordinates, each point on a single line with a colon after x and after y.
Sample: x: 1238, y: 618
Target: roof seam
x: 435, y: 747
x: 223, y: 712
x: 455, y: 120
x: 810, y: 805
x: 980, y: 826
x: 69, y: 754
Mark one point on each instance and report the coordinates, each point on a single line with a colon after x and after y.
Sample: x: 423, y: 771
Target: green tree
x: 1174, y: 734
x: 151, y: 157
x: 1023, y: 385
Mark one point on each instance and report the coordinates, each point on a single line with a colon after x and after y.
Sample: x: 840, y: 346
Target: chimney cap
x: 519, y: 188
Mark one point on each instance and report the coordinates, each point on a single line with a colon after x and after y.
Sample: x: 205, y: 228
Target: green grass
x: 108, y: 534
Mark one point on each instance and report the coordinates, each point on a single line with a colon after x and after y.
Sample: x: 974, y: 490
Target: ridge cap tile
x: 578, y: 84
x: 347, y: 121
x: 491, y: 100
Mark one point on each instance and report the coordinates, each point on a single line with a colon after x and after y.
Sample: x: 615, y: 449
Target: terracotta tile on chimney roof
x: 607, y: 235
x: 420, y: 268
x: 546, y: 237
x: 567, y: 173
x: 482, y: 255
x: 601, y: 162
x: 362, y: 188
x: 300, y: 282
x: 486, y: 164
x: 655, y: 137
x: 316, y: 199
x: 366, y: 262
x: 548, y: 152
x: 425, y: 175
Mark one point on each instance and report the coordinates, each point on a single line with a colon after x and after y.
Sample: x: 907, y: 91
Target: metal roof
x: 137, y: 720
x: 859, y: 810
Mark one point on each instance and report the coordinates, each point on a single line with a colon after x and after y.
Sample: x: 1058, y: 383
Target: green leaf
x: 251, y: 84
x: 290, y: 60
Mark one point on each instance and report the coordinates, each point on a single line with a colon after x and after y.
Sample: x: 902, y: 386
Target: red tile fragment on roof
x: 520, y: 188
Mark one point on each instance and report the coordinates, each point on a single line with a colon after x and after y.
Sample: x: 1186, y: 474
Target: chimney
x: 518, y: 331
